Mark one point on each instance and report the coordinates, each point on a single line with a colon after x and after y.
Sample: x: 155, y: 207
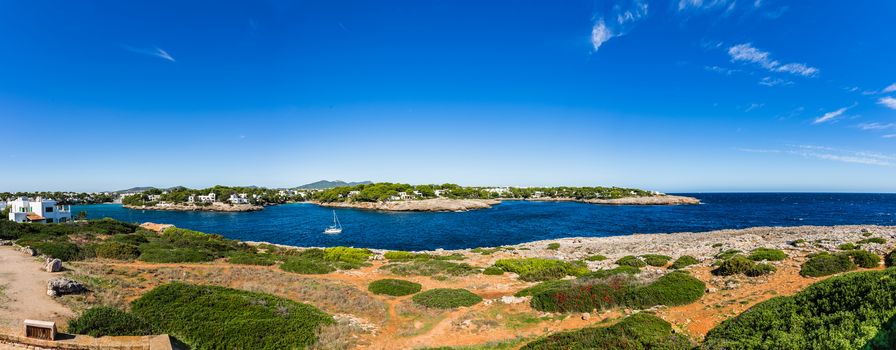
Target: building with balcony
x: 38, y: 210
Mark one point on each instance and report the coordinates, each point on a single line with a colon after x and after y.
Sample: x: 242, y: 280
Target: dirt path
x: 24, y: 288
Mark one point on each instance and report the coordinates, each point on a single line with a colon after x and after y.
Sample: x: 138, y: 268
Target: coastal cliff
x: 221, y: 207
x: 436, y: 204
x: 651, y: 200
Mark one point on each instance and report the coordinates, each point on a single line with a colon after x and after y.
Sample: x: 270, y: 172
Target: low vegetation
x: 493, y: 271
x: 740, y: 264
x: 825, y: 264
x: 321, y: 261
x: 630, y: 270
x: 848, y: 246
x: 103, y: 321
x: 584, y: 295
x: 539, y: 269
x: 864, y: 258
x: 117, y: 250
x: 656, y: 259
x: 433, y: 268
x: 393, y: 287
x: 631, y: 260
x: 638, y: 331
x: 684, y: 261
x: 890, y: 259
x: 875, y: 240
x: 447, y: 298
x: 398, y: 255
x: 209, y: 317
x: 728, y: 254
x: 596, y: 257
x: 553, y: 246
x: 767, y: 254
x: 245, y: 258
x: 852, y: 311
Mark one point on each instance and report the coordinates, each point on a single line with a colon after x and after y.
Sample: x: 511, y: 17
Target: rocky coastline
x: 217, y: 207
x: 425, y: 205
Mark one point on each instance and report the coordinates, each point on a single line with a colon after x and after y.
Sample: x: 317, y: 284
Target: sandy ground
x: 25, y: 292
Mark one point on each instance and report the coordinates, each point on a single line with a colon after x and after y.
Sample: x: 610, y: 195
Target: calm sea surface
x: 519, y: 221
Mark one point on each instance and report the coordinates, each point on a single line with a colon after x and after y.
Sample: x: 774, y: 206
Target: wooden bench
x: 43, y: 330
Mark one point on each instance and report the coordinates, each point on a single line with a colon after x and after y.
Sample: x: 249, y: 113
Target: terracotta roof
x: 34, y: 217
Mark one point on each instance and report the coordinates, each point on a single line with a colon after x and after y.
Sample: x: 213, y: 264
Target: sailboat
x: 336, y: 227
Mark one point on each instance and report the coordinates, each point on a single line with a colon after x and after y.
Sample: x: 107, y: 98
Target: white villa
x: 498, y: 190
x: 210, y: 198
x: 352, y: 193
x: 439, y: 193
x: 242, y: 198
x: 155, y: 197
x: 403, y: 196
x: 38, y: 210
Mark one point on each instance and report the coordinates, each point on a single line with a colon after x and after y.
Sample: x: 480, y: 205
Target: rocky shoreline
x: 428, y: 205
x: 217, y: 207
x: 646, y: 200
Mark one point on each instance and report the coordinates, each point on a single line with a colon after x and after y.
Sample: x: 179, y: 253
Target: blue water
x: 519, y: 221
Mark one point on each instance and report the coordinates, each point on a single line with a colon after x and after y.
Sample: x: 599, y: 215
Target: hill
x: 323, y: 184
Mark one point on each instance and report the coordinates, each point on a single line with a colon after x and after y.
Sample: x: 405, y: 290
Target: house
x: 38, y: 210
x: 498, y: 190
x: 439, y: 193
x: 352, y: 193
x: 155, y: 197
x: 537, y: 194
x: 242, y: 198
x: 210, y: 198
x: 404, y: 196
x: 282, y: 193
x: 417, y: 194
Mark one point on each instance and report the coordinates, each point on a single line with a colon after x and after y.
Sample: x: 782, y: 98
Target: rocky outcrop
x: 436, y: 204
x: 53, y: 265
x: 223, y: 207
x: 155, y: 227
x: 62, y: 286
x: 649, y: 200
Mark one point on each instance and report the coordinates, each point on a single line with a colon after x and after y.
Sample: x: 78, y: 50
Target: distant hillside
x: 134, y: 189
x: 323, y: 184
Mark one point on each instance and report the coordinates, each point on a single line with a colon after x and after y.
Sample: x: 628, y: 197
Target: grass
x: 540, y: 269
x: 848, y: 246
x: 320, y: 261
x: 600, y: 274
x: 638, y: 331
x: 117, y: 250
x: 493, y: 271
x: 103, y: 321
x: 824, y: 264
x: 393, y: 287
x: 487, y: 251
x: 631, y: 260
x: 728, y: 254
x: 208, y: 317
x: 656, y: 259
x: 851, y: 311
x: 544, y: 287
x: 446, y: 298
x: 258, y: 259
x: 875, y: 240
x: 684, y: 261
x: 430, y: 268
x: 399, y: 255
x: 596, y: 257
x: 553, y: 246
x: 584, y: 295
x: 767, y: 254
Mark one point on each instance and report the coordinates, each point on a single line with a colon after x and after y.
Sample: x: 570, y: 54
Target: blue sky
x: 668, y: 95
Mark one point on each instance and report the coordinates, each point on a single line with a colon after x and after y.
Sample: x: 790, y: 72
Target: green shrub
x: 866, y: 234
x: 600, y: 274
x: 210, y: 317
x: 553, y: 246
x: 824, y: 264
x: 850, y: 311
x: 736, y: 265
x: 348, y: 256
x: 161, y: 254
x: 584, y: 295
x: 393, y: 287
x: 64, y: 251
x: 630, y: 260
x: 486, y: 251
x: 684, y: 261
x: 103, y: 321
x: 728, y: 254
x: 847, y: 246
x: 760, y: 269
x: 767, y: 254
x: 539, y: 269
x: 430, y: 268
x: 493, y: 270
x: 875, y: 240
x: 306, y: 265
x: 132, y: 239
x: 864, y: 258
x: 398, y: 255
x: 717, y: 245
x: 798, y: 242
x: 596, y: 257
x: 246, y: 258
x: 544, y: 287
x: 890, y: 260
x: 656, y: 259
x: 116, y: 250
x: 638, y: 331
x: 446, y: 298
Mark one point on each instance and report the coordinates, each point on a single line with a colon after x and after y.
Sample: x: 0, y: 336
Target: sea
x: 512, y: 222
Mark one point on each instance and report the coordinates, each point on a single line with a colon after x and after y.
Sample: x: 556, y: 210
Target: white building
x: 242, y: 198
x: 537, y: 194
x: 352, y: 193
x: 498, y: 190
x: 439, y: 193
x: 404, y: 196
x: 38, y: 210
x: 155, y: 197
x: 210, y: 198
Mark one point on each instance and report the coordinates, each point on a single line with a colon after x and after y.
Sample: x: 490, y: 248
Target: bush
x: 847, y: 246
x: 638, y: 331
x: 430, y: 268
x: 210, y: 317
x: 864, y: 258
x: 103, y: 321
x: 487, y: 251
x: 160, y: 254
x: 601, y: 274
x: 760, y: 254
x: 350, y: 257
x: 596, y: 257
x: 760, y: 269
x: 117, y: 250
x: 728, y: 254
x: 64, y: 251
x: 656, y: 259
x: 824, y: 264
x: 258, y: 259
x: 306, y: 265
x: 875, y: 240
x: 684, y: 261
x: 584, y: 295
x: 493, y: 270
x: 447, y: 298
x: 544, y: 287
x: 631, y: 260
x: 132, y: 239
x: 394, y: 287
x: 842, y: 312
x: 735, y: 265
x: 553, y: 246
x: 398, y: 255
x: 890, y: 260
x: 539, y: 269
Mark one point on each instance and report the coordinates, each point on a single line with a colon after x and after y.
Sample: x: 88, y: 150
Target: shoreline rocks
x: 647, y: 200
x: 218, y: 207
x: 429, y: 205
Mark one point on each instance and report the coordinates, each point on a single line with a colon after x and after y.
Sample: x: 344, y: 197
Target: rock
x: 28, y: 251
x: 61, y: 286
x: 731, y: 285
x: 54, y: 265
x: 711, y: 290
x: 509, y: 299
x: 586, y: 316
x: 5, y: 242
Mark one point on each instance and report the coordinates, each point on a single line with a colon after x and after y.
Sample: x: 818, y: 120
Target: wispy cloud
x: 721, y: 70
x: 890, y: 88
x: 754, y: 106
x: 769, y: 81
x: 829, y: 153
x: 829, y: 116
x: 877, y: 126
x: 889, y: 136
x: 758, y: 150
x: 705, y: 4
x: 618, y: 22
x: 748, y: 53
x: 888, y: 101
x: 157, y: 52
